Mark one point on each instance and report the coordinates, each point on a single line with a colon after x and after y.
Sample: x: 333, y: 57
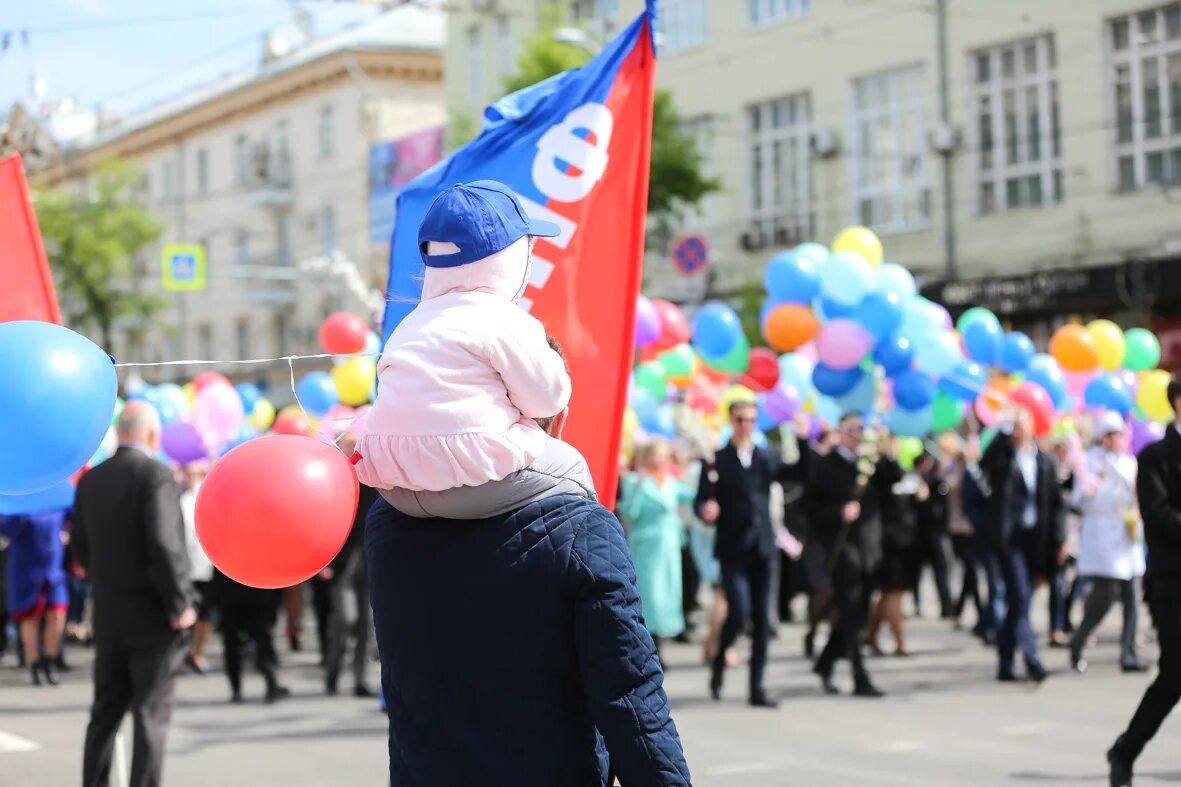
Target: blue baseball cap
x: 481, y: 218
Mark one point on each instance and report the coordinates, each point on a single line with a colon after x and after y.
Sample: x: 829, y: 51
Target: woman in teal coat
x: 650, y: 508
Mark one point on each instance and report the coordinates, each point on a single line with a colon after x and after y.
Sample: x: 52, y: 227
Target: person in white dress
x: 1111, y: 548
x: 193, y: 474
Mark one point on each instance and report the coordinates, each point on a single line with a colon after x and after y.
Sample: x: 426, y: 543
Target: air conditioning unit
x: 944, y: 139
x: 824, y: 142
x: 753, y: 239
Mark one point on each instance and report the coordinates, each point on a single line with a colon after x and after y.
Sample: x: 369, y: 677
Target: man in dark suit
x: 1158, y: 490
x: 734, y: 495
x: 846, y: 502
x: 129, y: 536
x: 1023, y: 531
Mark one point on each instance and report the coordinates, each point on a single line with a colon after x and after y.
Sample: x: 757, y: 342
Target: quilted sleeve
x: 621, y: 673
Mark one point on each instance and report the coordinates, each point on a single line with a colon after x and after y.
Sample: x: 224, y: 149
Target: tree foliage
x: 92, y: 240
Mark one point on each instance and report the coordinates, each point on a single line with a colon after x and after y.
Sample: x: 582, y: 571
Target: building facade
x: 269, y: 171
x: 1021, y: 142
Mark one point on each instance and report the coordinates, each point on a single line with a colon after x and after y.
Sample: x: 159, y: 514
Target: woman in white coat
x: 1111, y: 548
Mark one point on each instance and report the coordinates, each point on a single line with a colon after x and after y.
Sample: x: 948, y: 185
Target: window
x: 241, y: 160
x: 1016, y: 140
x: 475, y: 65
x: 202, y: 171
x: 779, y: 203
x: 891, y: 185
x: 205, y: 341
x: 506, y: 45
x: 683, y: 25
x: 602, y: 12
x: 765, y: 12
x: 327, y: 230
x: 244, y: 338
x: 241, y: 247
x: 166, y: 181
x: 1145, y: 51
x: 327, y: 128
x: 283, y: 240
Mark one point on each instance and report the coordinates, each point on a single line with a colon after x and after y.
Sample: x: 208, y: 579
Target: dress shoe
x: 715, y: 684
x: 1006, y: 676
x: 874, y: 648
x: 193, y: 666
x: 236, y: 698
x: 1036, y: 674
x: 826, y: 682
x: 363, y: 691
x: 1134, y: 666
x: 35, y: 673
x: 275, y: 693
x: 48, y: 671
x: 1120, y: 770
x: 1077, y: 662
x: 867, y: 689
x: 60, y: 663
x: 761, y: 700
x: 330, y: 687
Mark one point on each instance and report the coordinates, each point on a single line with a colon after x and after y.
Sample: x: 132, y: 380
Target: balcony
x: 268, y: 177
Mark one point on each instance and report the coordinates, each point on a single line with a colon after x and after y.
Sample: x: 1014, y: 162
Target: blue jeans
x: 746, y: 582
x: 1015, y: 631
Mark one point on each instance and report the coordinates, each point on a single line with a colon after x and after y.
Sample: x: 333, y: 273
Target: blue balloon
x: 792, y: 277
x: 817, y: 252
x: 1017, y: 352
x: 909, y: 423
x: 827, y: 409
x: 764, y: 421
x: 895, y: 355
x: 56, y: 498
x: 796, y: 370
x: 920, y: 320
x: 1108, y: 391
x: 246, y: 432
x: 835, y: 382
x: 983, y: 339
x: 249, y: 394
x: 965, y: 382
x: 317, y: 393
x: 660, y: 422
x: 861, y: 398
x: 938, y: 354
x: 880, y: 313
x: 57, y: 394
x: 1046, y: 372
x: 845, y: 279
x: 892, y: 277
x: 765, y: 310
x: 913, y: 390
x: 716, y: 330
x: 171, y: 401
x: 644, y: 404
x: 826, y: 310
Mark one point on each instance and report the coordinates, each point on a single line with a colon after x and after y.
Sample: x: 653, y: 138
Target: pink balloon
x: 1076, y: 382
x: 842, y: 344
x: 218, y: 414
x: 808, y: 351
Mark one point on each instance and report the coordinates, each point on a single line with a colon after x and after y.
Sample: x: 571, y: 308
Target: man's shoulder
x: 565, y: 511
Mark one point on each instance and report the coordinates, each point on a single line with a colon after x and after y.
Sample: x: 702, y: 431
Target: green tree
x: 92, y: 241
x: 676, y: 183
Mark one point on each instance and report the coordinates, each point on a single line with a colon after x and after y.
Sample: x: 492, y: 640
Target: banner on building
x: 576, y: 149
x: 28, y: 292
x: 393, y: 164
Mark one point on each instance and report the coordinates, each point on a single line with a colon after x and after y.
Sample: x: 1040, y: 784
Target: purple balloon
x: 815, y: 428
x: 783, y: 402
x: 182, y: 442
x: 842, y: 344
x: 647, y: 322
x: 1144, y: 433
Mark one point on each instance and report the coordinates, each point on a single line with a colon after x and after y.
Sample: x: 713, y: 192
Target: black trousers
x: 747, y: 584
x: 932, y: 550
x: 139, y: 677
x: 1165, y: 601
x: 251, y: 621
x: 845, y: 641
x: 350, y: 618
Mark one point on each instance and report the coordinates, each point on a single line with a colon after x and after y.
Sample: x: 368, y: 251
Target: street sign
x: 183, y: 267
x: 691, y: 255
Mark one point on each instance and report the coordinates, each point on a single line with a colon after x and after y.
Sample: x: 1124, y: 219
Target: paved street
x: 946, y: 722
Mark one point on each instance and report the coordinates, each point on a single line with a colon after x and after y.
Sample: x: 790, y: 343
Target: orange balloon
x: 789, y: 326
x: 1074, y: 348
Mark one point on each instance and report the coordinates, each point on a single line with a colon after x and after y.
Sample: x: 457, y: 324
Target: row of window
x: 1014, y: 138
x: 244, y: 338
x: 259, y: 162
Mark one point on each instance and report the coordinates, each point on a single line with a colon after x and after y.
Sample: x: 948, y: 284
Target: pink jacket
x: 460, y: 380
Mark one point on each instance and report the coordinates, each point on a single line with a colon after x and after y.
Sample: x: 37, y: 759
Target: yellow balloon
x: 1109, y: 341
x: 354, y: 380
x: 190, y: 394
x: 1152, y: 395
x: 263, y: 415
x: 735, y: 393
x: 859, y: 240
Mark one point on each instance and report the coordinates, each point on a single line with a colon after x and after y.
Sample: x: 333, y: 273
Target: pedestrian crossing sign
x: 184, y: 267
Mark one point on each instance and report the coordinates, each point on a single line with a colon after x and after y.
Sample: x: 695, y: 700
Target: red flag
x: 26, y: 288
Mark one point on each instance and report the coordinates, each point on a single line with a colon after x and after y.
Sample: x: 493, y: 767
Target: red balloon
x: 1034, y: 398
x: 763, y: 373
x: 275, y: 510
x: 673, y: 328
x: 343, y: 333
x: 293, y: 423
x: 209, y: 378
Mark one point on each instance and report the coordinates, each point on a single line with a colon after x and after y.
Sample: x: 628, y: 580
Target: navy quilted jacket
x: 513, y: 651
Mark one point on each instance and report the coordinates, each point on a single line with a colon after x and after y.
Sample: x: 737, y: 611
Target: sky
x: 129, y: 54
